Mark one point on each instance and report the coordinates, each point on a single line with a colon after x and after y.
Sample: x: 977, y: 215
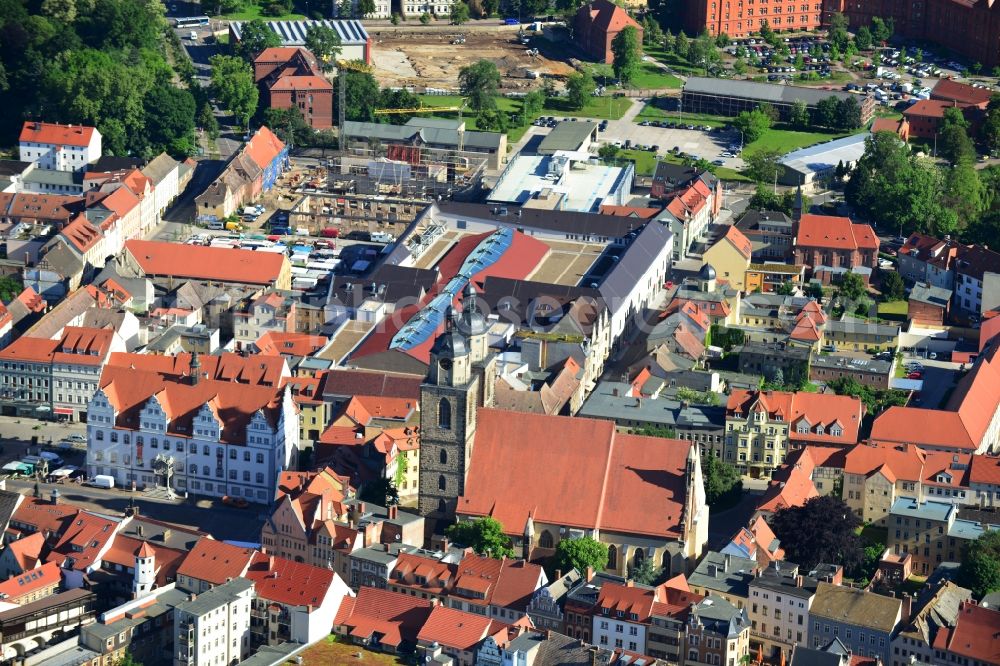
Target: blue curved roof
x: 424, y: 324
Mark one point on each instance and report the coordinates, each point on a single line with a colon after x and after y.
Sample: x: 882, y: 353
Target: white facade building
x: 148, y: 430
x: 59, y: 147
x: 213, y: 627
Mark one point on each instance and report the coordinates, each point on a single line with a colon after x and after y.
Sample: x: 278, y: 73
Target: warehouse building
x: 725, y: 97
x: 354, y: 40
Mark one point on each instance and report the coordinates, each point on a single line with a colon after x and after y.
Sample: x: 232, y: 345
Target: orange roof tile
x: 124, y: 550
x: 985, y: 470
x: 206, y: 263
x: 629, y: 211
x: 41, y: 515
x: 811, y: 409
x: 81, y: 234
x: 27, y: 550
x: 395, y: 617
x: 288, y: 582
x: 20, y: 585
x: 263, y: 147
x: 457, y: 629
x: 975, y: 635
x: 60, y: 135
x: 307, y: 82
x: 901, y: 461
x: 738, y: 240
x: 829, y: 231
x: 83, y: 538
x: 216, y: 562
x: 962, y: 93
x: 121, y: 202
x: 543, y: 482
x: 273, y: 343
x: 32, y: 300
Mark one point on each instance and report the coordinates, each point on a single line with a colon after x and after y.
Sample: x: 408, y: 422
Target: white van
x: 217, y: 225
x: 103, y: 481
x: 382, y: 237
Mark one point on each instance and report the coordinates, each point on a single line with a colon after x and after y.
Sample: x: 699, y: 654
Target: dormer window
x: 819, y: 429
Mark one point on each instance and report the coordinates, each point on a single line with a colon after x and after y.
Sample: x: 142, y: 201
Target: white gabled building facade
x: 59, y: 147
x: 148, y: 430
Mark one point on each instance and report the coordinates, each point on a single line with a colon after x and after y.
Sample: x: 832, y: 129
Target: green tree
x: 492, y: 120
x: 668, y: 41
x: 425, y: 18
x: 766, y: 32
x: 892, y: 286
x: 799, y: 115
x: 608, y: 152
x: 289, y: 125
x: 627, y: 54
x: 980, y: 568
x: 814, y: 290
x: 882, y: 30
x: 990, y: 131
x: 380, y: 491
x: 763, y: 165
x: 652, y: 34
x: 579, y: 554
x: 786, y: 289
x: 722, y: 40
x: 170, y: 120
x: 837, y: 31
x: 740, y: 67
x: 324, y: 43
x: 254, y: 38
x: 484, y: 535
x: 361, y: 93
x: 963, y: 196
x: 681, y: 44
x: 532, y: 104
x: 579, y: 87
x: 10, y: 287
x: 128, y: 660
x: 459, y: 13
x: 480, y: 82
x: 722, y: 482
x: 753, y: 124
x: 63, y: 11
x: 825, y: 114
x: 207, y: 122
x: 954, y: 143
x: 366, y: 7
x: 863, y: 38
x: 703, y: 53
x: 848, y: 114
x: 396, y: 98
x: 852, y: 287
x: 646, y: 573
x: 234, y: 87
x: 820, y: 531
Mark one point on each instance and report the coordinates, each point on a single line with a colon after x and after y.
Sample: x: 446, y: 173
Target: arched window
x: 442, y: 482
x: 442, y: 507
x: 444, y: 414
x: 666, y: 561
x: 545, y: 541
x: 444, y: 457
x: 612, y: 557
x: 637, y: 559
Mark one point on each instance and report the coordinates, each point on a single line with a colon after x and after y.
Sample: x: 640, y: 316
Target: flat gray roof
x: 765, y: 92
x: 567, y: 135
x: 604, y: 404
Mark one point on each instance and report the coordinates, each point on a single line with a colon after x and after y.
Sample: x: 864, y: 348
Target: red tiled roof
x: 32, y: 300
x: 81, y: 234
x: 287, y: 582
x: 902, y: 462
x: 929, y: 108
x: 544, y: 482
x: 60, y: 135
x: 976, y: 635
x: 985, y: 470
x: 629, y: 211
x: 45, y: 576
x: 309, y: 82
x: 279, y: 53
x: 27, y: 550
x: 962, y: 93
x: 42, y: 515
x: 790, y: 486
x: 32, y: 206
x: 216, y: 562
x: 816, y: 409
x: 392, y: 616
x: 457, y: 629
x: 887, y: 125
x: 78, y: 346
x: 274, y: 343
x: 121, y: 202
x: 839, y: 233
x: 226, y: 367
x: 124, y: 550
x: 505, y: 583
x: 206, y: 263
x: 738, y: 240
x: 82, y: 540
x: 610, y: 17
x: 263, y: 147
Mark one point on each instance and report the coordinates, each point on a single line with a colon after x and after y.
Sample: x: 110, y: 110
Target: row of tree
x: 96, y: 62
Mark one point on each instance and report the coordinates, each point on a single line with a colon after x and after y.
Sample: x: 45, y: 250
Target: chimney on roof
x: 614, y: 392
x: 558, y: 574
x: 725, y: 563
x: 270, y: 562
x: 392, y: 512
x: 798, y: 581
x: 592, y: 652
x: 589, y: 574
x: 55, y: 496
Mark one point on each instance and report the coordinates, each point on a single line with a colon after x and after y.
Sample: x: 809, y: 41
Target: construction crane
x: 418, y: 109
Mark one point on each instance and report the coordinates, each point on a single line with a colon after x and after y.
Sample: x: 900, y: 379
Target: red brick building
x: 836, y: 242
x: 740, y: 18
x: 900, y: 128
x: 290, y: 77
x: 971, y: 29
x: 597, y: 24
x: 925, y: 116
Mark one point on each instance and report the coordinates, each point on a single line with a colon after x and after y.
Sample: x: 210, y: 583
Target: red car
x: 915, y: 375
x: 330, y: 232
x: 237, y: 502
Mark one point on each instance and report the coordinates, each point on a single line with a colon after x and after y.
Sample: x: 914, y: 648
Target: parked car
x: 915, y: 375
x: 330, y: 232
x: 237, y: 502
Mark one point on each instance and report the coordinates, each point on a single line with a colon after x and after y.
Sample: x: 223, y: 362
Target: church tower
x: 695, y: 506
x: 145, y: 571
x: 447, y: 422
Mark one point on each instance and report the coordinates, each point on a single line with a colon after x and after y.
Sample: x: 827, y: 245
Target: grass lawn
x: 653, y: 77
x: 784, y: 140
x: 252, y: 12
x: 672, y: 61
x: 332, y: 651
x: 895, y: 310
x: 645, y: 164
x: 604, y: 108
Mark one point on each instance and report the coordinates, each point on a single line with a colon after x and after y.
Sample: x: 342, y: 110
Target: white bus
x: 190, y: 21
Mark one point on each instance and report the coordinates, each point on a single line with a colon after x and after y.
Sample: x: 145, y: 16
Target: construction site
x: 432, y: 60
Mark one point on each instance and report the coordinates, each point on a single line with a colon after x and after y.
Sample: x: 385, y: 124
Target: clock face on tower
x: 446, y: 364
